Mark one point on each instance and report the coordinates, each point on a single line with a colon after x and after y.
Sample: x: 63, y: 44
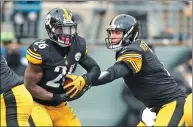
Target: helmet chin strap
x: 117, y: 47
x: 127, y: 34
x: 135, y: 36
x: 62, y: 44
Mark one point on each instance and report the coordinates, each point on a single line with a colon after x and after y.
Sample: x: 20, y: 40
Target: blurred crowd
x: 25, y: 18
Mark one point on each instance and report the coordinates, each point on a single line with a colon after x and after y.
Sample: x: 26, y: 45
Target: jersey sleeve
x: 132, y: 59
x: 33, y: 54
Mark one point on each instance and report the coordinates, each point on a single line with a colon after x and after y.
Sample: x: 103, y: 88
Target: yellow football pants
x: 61, y: 115
x: 171, y: 114
x: 16, y: 107
x: 188, y: 110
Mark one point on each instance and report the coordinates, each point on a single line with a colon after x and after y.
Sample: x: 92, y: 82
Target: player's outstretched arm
x: 118, y: 70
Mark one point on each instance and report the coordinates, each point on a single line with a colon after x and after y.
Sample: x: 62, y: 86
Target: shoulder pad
x: 132, y: 47
x: 132, y: 58
x: 36, y: 50
x: 81, y: 43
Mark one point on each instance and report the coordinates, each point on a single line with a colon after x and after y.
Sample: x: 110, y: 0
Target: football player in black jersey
x: 143, y: 73
x: 16, y: 101
x: 50, y: 60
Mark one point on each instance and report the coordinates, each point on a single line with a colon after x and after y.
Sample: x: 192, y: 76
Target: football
x: 66, y: 82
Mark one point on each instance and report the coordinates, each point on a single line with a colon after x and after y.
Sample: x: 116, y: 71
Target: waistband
x: 47, y: 103
x: 8, y: 89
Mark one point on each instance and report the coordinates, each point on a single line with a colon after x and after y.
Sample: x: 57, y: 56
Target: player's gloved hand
x: 148, y: 117
x: 59, y: 98
x: 76, y: 86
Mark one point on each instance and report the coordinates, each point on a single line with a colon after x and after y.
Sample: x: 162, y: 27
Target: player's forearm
x: 31, y: 78
x: 112, y: 73
x: 92, y: 75
x: 92, y: 68
x: 39, y: 92
x: 105, y: 77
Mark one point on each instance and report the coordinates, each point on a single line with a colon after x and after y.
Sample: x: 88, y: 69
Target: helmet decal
x: 48, y: 18
x: 66, y: 15
x: 60, y: 26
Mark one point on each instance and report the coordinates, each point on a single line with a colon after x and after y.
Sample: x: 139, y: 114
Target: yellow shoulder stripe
x: 36, y: 54
x: 33, y: 60
x: 33, y: 57
x: 129, y: 55
x: 134, y: 59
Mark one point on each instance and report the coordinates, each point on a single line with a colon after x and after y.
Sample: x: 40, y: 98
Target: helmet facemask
x: 64, y: 35
x: 113, y: 43
x: 125, y: 40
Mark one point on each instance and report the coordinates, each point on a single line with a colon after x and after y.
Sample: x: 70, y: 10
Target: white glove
x: 148, y: 117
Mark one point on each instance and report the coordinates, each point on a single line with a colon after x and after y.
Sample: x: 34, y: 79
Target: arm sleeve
x: 92, y: 68
x: 116, y: 71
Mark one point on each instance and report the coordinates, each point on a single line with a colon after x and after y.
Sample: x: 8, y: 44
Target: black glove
x: 59, y: 98
x: 87, y: 87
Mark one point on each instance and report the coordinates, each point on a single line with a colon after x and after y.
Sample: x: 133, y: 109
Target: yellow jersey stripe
x: 135, y: 66
x: 36, y: 54
x: 131, y: 55
x: 66, y: 14
x: 32, y: 55
x: 122, y: 57
x: 33, y: 60
x: 136, y: 62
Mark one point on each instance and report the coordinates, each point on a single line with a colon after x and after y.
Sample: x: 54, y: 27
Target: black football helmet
x: 128, y: 25
x: 60, y: 26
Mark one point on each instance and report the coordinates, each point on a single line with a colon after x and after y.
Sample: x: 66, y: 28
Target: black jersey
x: 150, y: 82
x: 56, y: 61
x: 9, y: 79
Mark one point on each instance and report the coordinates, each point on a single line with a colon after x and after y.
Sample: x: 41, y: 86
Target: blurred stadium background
x: 165, y: 25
